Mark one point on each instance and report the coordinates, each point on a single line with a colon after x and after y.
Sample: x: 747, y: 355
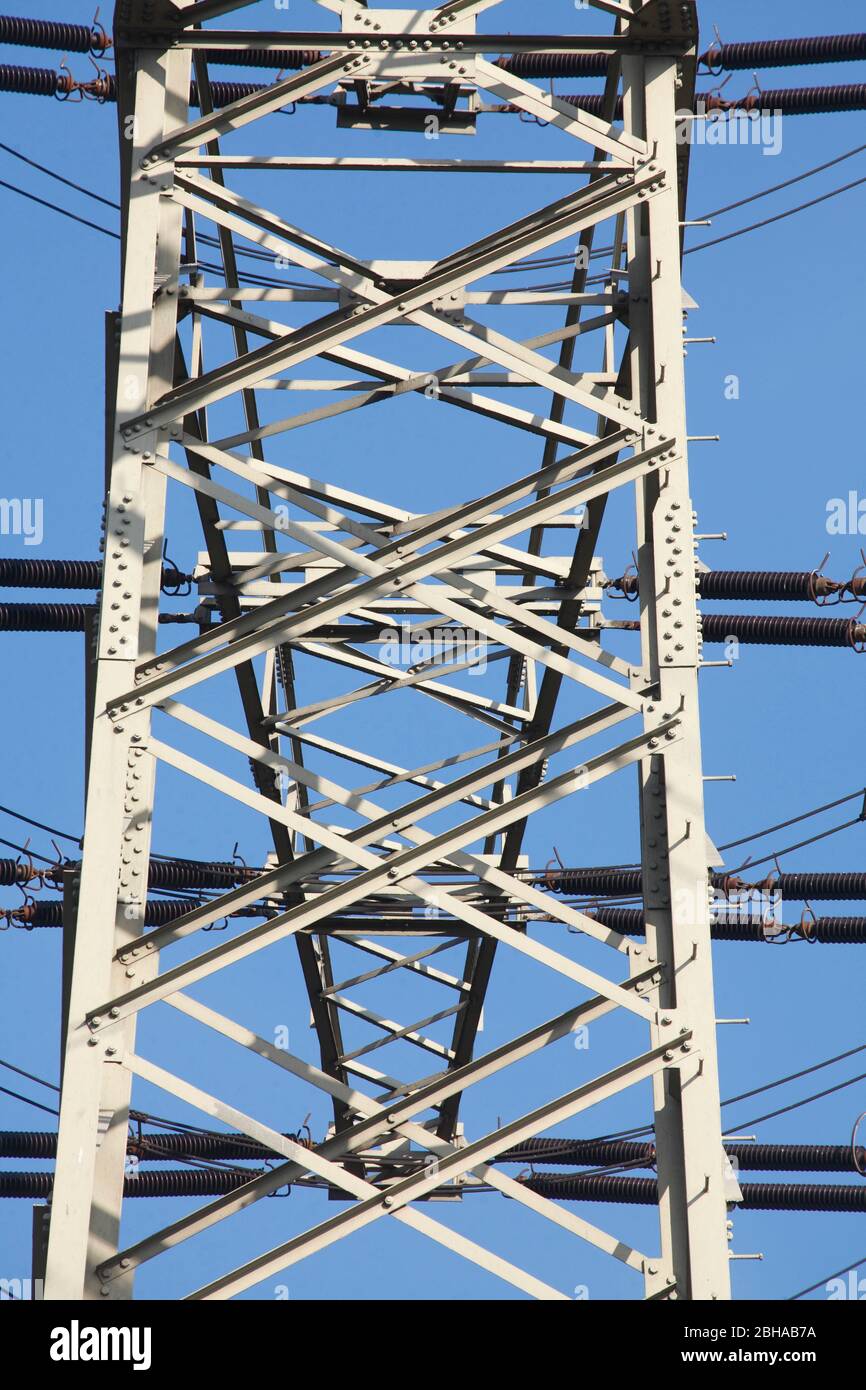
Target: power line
x: 64, y: 212
x: 768, y: 221
x: 52, y: 830
x: 252, y: 252
x: 49, y: 1085
x: 268, y: 283
x: 49, y: 1109
x: 797, y: 1104
x: 796, y: 1075
x: 52, y: 174
x: 801, y: 844
x: 760, y: 1090
x: 22, y: 849
x: 777, y: 187
x: 822, y: 1283
x: 783, y: 825
x: 37, y: 1105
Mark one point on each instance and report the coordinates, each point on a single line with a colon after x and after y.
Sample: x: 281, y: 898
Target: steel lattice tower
x: 367, y: 564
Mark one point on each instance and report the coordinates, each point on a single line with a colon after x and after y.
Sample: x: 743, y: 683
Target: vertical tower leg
x: 673, y: 836
x: 88, y: 1188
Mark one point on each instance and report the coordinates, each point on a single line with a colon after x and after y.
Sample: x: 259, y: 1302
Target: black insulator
x: 771, y: 586
x: 173, y: 1182
x: 593, y: 102
x: 848, y: 931
x: 831, y: 931
x: 785, y: 53
x: 33, y: 82
x: 757, y: 1196
x: 792, y: 1196
x: 35, y: 1186
x: 35, y: 914
x: 22, y: 1143
x: 224, y: 93
x: 794, y: 101
x: 726, y: 584
x: 190, y: 873
x: 50, y: 574
x: 731, y: 57
x: 49, y: 913
x: 288, y: 58
x: 45, y: 82
x: 762, y: 1158
x: 201, y: 1182
x: 798, y: 1158
x: 840, y: 887
x: 157, y: 912
x: 188, y: 1182
x: 45, y: 617
x: 12, y: 871
x: 836, y: 930
x: 187, y: 873
x: 155, y: 1148
x: 577, y: 1187
x: 69, y: 574
x: 585, y: 882
x: 782, y: 632
x: 618, y: 883
x: 629, y: 921
x: 590, y: 1152
x: 789, y: 101
x: 743, y: 930
x: 53, y: 33
x: 555, y: 64
x: 163, y: 1147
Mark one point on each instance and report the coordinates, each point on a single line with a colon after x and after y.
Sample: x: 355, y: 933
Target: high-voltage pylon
x: 430, y: 863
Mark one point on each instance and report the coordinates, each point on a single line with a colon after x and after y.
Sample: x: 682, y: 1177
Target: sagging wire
x: 797, y: 1104
x: 38, y: 825
x: 64, y: 212
x: 822, y: 1283
x: 640, y: 1130
x: 794, y: 820
x: 52, y: 174
x: 801, y: 844
x: 777, y: 188
x: 779, y: 217
x: 253, y: 253
x: 10, y: 1066
x: 37, y: 1105
x: 22, y: 849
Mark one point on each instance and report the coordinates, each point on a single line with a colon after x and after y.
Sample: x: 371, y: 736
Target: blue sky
x: 785, y: 305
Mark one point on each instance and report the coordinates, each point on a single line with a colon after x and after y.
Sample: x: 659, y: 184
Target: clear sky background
x: 786, y: 306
